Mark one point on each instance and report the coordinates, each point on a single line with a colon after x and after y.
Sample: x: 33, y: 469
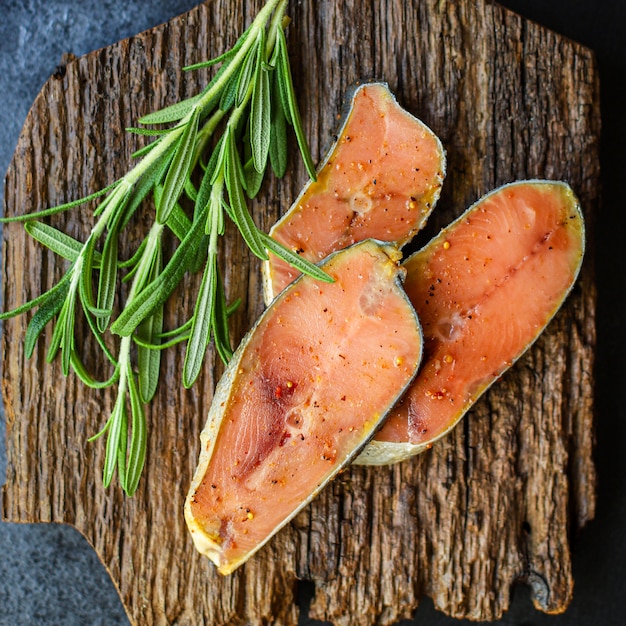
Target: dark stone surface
x: 49, y: 574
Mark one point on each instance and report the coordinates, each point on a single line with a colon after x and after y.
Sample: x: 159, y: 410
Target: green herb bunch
x: 226, y: 137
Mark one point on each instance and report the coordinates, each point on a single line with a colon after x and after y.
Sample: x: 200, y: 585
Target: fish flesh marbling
x: 306, y: 389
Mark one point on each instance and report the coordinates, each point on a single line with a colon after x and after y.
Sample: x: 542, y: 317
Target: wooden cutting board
x: 497, y: 502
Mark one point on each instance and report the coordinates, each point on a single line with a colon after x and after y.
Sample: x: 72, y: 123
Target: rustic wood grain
x: 497, y: 502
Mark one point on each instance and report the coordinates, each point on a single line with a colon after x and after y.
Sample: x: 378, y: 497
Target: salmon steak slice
x: 304, y: 392
x: 484, y: 289
x: 381, y: 180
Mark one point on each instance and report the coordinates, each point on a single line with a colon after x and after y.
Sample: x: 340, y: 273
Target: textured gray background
x: 49, y: 574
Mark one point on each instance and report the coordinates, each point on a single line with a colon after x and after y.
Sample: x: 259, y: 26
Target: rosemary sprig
x: 251, y: 100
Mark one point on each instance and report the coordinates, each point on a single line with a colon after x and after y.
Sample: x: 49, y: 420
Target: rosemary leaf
x: 201, y: 324
x: 149, y: 361
x: 27, y: 217
x: 220, y: 322
x: 260, y: 120
x: 140, y: 153
x: 115, y: 452
x: 294, y: 112
x: 222, y: 57
x: 55, y: 240
x: 48, y: 309
x: 210, y: 174
x: 138, y: 440
x: 172, y: 113
x: 82, y: 373
x: 229, y: 93
x: 248, y: 69
x: 122, y: 446
x: 178, y: 222
x: 177, y: 173
x: 178, y: 335
x: 240, y: 213
x: 190, y: 189
x: 135, y: 268
x: 57, y: 333
x: 67, y: 340
x: 221, y: 151
x: 278, y: 134
x: 107, y: 282
x: 254, y: 178
x: 180, y: 330
x: 110, y: 204
x: 85, y: 283
x: 134, y: 259
x: 148, y: 132
x: 89, y: 316
x: 306, y: 267
x: 232, y: 307
x: 160, y: 346
x: 281, y: 83
x: 204, y: 191
x: 234, y: 161
x: 210, y: 62
x: 39, y: 300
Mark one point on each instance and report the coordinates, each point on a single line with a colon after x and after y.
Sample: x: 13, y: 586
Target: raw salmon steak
x: 380, y: 180
x: 304, y: 392
x: 484, y: 289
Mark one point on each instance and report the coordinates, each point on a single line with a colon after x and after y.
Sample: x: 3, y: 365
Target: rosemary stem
x: 148, y: 160
x: 215, y: 202
x: 124, y: 360
x: 77, y: 268
x: 216, y: 211
x: 206, y: 132
x: 275, y: 24
x: 143, y: 270
x: 239, y: 110
x: 111, y: 205
x: 259, y: 23
x: 116, y: 420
